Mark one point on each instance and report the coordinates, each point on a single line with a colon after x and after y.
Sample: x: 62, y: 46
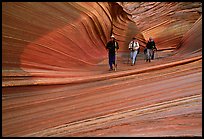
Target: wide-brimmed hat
x: 112, y: 36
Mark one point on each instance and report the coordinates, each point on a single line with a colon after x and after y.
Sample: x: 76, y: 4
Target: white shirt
x: 135, y: 45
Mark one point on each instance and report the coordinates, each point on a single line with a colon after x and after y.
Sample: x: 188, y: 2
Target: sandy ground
x: 159, y: 98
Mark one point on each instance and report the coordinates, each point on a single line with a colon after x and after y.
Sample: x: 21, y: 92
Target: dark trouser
x: 152, y: 55
x: 149, y: 54
x: 111, y: 60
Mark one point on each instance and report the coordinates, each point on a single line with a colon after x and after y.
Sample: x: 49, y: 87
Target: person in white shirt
x: 133, y: 47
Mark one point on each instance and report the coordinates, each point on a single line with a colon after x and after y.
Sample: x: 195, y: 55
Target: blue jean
x: 111, y: 60
x: 133, y: 56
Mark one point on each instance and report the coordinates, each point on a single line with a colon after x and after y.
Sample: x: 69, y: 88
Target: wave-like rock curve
x: 60, y: 37
x: 54, y: 69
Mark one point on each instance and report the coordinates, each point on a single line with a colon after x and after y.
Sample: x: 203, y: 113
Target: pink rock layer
x: 55, y: 74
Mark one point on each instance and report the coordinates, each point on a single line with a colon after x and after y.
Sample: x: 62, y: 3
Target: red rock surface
x: 55, y: 74
x: 166, y: 22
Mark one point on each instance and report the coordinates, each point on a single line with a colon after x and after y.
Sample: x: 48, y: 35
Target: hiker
x: 112, y: 48
x: 134, y: 49
x: 154, y: 48
x: 150, y: 49
x: 145, y: 53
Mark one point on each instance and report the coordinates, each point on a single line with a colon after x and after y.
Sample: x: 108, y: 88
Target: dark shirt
x: 111, y: 46
x: 151, y: 45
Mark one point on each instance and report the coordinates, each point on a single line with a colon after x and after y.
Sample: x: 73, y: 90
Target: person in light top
x: 134, y: 49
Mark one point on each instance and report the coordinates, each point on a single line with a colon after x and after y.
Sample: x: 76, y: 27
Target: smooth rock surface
x: 55, y: 78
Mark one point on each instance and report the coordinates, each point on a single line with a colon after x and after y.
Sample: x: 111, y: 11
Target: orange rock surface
x: 55, y: 78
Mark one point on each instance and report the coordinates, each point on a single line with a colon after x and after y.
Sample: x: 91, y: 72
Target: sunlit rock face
x: 56, y: 80
x: 47, y: 37
x: 64, y: 36
x: 166, y: 22
x: 54, y: 34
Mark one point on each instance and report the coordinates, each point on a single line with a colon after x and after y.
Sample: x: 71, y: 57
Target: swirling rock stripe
x: 166, y: 22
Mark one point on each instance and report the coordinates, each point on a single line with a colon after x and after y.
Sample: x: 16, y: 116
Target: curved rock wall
x: 41, y: 37
x: 124, y: 28
x: 166, y: 22
x: 53, y: 34
x: 53, y: 56
x: 47, y: 38
x: 191, y: 43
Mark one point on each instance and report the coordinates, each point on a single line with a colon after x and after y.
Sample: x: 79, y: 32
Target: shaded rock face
x: 191, y: 43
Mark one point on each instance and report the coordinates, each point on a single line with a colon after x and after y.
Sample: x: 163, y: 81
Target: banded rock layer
x: 55, y: 79
x: 166, y: 22
x: 39, y: 38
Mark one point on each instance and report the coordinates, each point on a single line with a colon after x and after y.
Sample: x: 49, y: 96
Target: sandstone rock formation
x: 54, y: 69
x: 47, y: 37
x: 166, y: 22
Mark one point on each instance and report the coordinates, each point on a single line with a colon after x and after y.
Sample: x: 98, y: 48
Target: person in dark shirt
x: 112, y: 47
x: 150, y: 49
